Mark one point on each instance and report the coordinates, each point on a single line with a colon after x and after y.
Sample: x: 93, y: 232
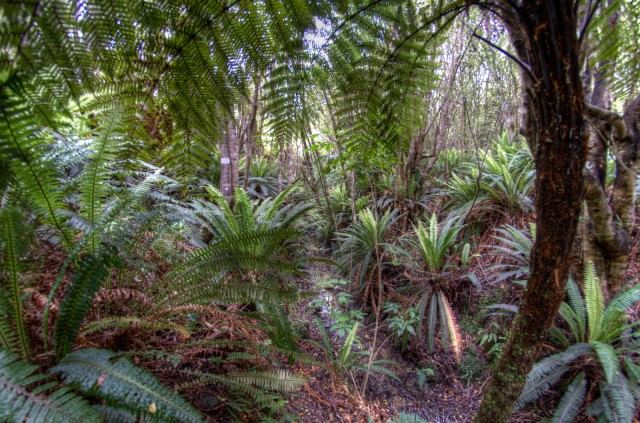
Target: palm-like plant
x: 515, y: 253
x: 600, y: 351
x: 433, y: 244
x: 365, y: 249
x: 263, y: 178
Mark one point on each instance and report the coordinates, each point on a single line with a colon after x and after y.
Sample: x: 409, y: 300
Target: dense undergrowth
x: 303, y: 211
x: 130, y: 274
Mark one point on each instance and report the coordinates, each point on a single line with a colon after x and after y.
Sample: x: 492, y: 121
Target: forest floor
x: 451, y: 395
x: 446, y: 397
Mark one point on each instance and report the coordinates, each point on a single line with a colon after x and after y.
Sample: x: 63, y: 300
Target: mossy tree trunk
x: 607, y: 238
x: 544, y: 36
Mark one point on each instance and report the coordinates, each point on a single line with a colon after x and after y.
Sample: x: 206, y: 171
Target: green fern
x: 255, y: 385
x: 13, y: 243
x: 94, y: 372
x: 24, y: 146
x: 569, y: 405
x: 26, y: 396
x: 78, y: 299
x: 434, y: 243
x: 133, y: 323
x: 360, y: 241
x: 93, y: 179
x: 596, y: 339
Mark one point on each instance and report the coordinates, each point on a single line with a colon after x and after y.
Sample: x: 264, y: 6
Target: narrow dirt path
x: 335, y: 399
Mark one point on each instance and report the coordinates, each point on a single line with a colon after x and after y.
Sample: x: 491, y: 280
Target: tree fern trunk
x: 544, y: 36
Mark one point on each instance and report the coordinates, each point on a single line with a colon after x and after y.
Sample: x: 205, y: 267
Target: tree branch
x: 608, y: 116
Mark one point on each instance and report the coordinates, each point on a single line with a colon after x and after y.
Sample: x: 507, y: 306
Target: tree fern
x: 93, y: 372
x: 23, y: 145
x: 28, y: 397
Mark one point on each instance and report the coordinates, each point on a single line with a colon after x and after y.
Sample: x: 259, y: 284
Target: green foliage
x: 424, y: 374
x: 433, y: 243
x: 365, y: 246
x: 252, y: 389
x: 493, y: 340
x: 514, y: 251
x: 23, y: 145
x: 600, y: 337
x: 100, y: 373
x: 13, y: 243
x: 246, y: 259
x: 78, y: 299
x: 502, y: 180
x: 472, y: 367
x: 26, y: 396
x: 263, y: 178
x: 347, y: 360
x: 401, y: 324
x: 434, y: 308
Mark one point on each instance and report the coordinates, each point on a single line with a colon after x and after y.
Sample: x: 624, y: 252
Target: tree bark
x: 607, y: 241
x: 543, y: 34
x: 249, y: 132
x: 225, y: 166
x: 229, y: 162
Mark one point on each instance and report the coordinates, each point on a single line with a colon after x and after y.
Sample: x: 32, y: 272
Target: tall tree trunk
x: 281, y: 164
x: 229, y: 162
x: 225, y: 166
x: 249, y: 131
x: 543, y: 34
x: 234, y: 154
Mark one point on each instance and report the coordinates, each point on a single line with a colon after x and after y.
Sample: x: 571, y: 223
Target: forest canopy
x: 269, y: 210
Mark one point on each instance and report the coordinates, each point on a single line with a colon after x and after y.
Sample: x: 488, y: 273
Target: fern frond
x: 24, y: 146
x: 96, y: 173
x: 120, y: 382
x: 608, y: 359
x: 617, y: 399
x: 613, y: 317
x: 569, y: 316
x: 449, y: 327
x: 577, y: 304
x: 594, y: 301
x: 278, y: 380
x: 432, y: 319
x: 23, y: 399
x: 78, y: 299
x: 569, y: 405
x: 133, y: 323
x: 13, y: 242
x: 548, y: 371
